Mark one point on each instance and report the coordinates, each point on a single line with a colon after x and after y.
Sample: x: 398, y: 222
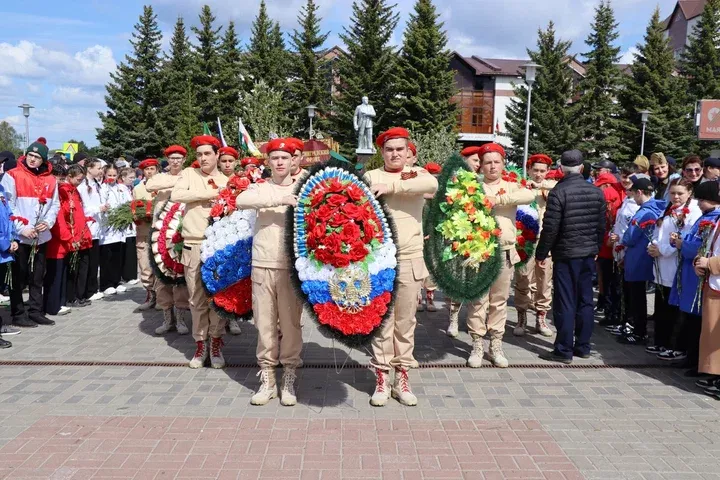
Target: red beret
x: 148, y: 162
x: 297, y: 143
x: 492, y: 148
x: 433, y: 168
x: 391, y: 134
x: 251, y: 161
x: 283, y: 144
x: 42, y: 140
x: 412, y: 148
x: 195, y: 164
x: 229, y: 151
x: 469, y: 151
x: 175, y: 149
x: 539, y: 158
x: 201, y: 140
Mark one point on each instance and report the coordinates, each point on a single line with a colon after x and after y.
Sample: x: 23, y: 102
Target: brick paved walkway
x: 67, y: 422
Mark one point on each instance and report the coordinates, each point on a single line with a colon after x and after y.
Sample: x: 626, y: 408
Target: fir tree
x: 310, y: 83
x: 424, y: 81
x: 367, y: 69
x: 266, y: 57
x: 551, y: 130
x: 597, y: 112
x: 134, y: 95
x: 701, y: 60
x: 652, y: 86
x: 206, y: 71
x: 264, y: 112
x: 180, y: 114
x: 228, y: 85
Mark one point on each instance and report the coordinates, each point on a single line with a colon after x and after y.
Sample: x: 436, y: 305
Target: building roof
x: 514, y: 68
x: 689, y: 8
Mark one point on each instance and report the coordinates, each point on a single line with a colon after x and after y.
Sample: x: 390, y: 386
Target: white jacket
x: 113, y: 196
x: 667, y: 262
x: 622, y: 221
x: 90, y: 193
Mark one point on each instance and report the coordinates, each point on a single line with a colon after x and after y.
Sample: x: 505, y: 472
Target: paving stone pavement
x: 98, y: 421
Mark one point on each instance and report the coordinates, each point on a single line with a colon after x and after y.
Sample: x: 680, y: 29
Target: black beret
x: 712, y: 162
x: 709, y: 191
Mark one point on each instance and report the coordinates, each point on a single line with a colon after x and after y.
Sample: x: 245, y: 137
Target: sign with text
x: 709, y: 128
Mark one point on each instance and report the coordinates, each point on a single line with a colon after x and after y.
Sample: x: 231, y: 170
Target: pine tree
x: 424, y: 80
x: 652, y: 86
x: 367, y: 69
x: 134, y: 96
x: 264, y: 112
x: 266, y: 57
x: 207, y: 65
x: 597, y: 113
x: 310, y: 83
x: 700, y: 62
x: 180, y: 115
x: 551, y: 130
x: 228, y: 85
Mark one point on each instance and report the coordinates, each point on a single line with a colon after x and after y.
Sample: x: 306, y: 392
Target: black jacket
x: 574, y: 221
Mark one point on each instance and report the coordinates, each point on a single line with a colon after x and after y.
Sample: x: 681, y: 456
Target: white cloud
x: 629, y: 56
x: 78, y: 97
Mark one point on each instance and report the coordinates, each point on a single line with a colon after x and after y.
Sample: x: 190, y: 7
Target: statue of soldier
x: 363, y: 123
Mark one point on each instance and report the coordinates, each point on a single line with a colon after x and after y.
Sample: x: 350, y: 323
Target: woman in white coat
x: 111, y: 240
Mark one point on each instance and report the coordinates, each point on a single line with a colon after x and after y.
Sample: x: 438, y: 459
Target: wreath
x: 527, y: 220
x: 343, y: 248
x: 123, y: 216
x: 166, y: 244
x: 226, y: 252
x: 462, y: 250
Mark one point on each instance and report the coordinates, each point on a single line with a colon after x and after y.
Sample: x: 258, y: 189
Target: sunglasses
x: 693, y: 170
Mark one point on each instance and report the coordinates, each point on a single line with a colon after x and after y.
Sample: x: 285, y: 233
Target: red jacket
x: 614, y: 196
x: 70, y: 226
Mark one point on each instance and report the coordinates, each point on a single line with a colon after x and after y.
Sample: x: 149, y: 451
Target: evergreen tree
x: 424, y: 81
x: 700, y: 62
x: 229, y: 86
x: 367, y: 69
x: 134, y: 96
x: 652, y: 86
x: 264, y: 112
x: 597, y: 112
x: 266, y: 57
x: 310, y: 83
x: 180, y: 114
x: 207, y: 63
x: 551, y: 130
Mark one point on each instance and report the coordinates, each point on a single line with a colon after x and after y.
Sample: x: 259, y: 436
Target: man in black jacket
x: 573, y: 230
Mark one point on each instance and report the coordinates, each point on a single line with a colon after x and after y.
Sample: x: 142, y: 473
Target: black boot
x: 42, y: 320
x: 24, y: 322
x: 4, y: 343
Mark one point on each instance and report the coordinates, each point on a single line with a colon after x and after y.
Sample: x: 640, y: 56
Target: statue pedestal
x: 361, y: 159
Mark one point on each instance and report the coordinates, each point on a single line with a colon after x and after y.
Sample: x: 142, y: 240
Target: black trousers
x: 573, y: 305
x: 91, y: 285
x: 54, y: 295
x: 110, y: 265
x: 22, y: 276
x: 130, y: 266
x: 77, y: 277
x: 636, y: 304
x: 611, y: 287
x: 3, y: 274
x: 666, y: 317
x: 689, y: 337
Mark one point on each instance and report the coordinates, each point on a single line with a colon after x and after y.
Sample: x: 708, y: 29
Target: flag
x: 497, y: 126
x: 222, y: 137
x: 206, y: 129
x: 245, y: 141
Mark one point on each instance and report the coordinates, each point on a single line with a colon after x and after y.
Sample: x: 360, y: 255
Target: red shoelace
x: 380, y: 382
x: 200, y: 349
x: 404, y: 381
x: 215, y: 345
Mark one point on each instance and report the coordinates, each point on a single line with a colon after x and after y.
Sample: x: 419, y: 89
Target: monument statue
x: 363, y: 123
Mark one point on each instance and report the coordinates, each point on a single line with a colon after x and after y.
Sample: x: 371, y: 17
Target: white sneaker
x: 97, y: 296
x: 121, y: 289
x: 167, y: 324
x: 268, y: 388
x: 216, y: 357
x: 234, y: 327
x: 134, y: 281
x: 63, y: 311
x: 382, y: 389
x: 496, y: 354
x: 401, y: 388
x: 287, y: 394
x: 181, y: 316
x: 201, y: 354
x: 110, y: 291
x: 476, y: 356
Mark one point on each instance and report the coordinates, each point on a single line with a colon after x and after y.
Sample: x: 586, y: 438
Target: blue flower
x: 227, y: 266
x: 382, y: 282
x: 528, y: 221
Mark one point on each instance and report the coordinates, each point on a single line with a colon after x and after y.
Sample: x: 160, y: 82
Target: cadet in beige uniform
x: 275, y: 302
x: 533, y: 282
x: 487, y: 316
x: 140, y: 192
x: 168, y: 296
x: 196, y: 188
x: 403, y: 189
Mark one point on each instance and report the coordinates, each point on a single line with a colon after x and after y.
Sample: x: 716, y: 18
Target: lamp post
x: 26, y: 112
x: 530, y: 73
x: 311, y: 115
x: 644, y: 114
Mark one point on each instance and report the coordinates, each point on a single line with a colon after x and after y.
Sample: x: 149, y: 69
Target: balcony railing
x: 476, y: 111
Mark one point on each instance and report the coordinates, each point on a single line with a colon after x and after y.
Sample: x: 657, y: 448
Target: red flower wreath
x: 361, y: 323
x: 173, y: 265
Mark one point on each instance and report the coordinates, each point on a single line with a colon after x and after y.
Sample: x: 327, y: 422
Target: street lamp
x: 530, y: 73
x: 26, y: 112
x: 644, y: 114
x: 311, y: 115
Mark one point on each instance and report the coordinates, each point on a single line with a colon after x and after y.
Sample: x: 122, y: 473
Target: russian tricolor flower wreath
x: 166, y: 244
x: 527, y: 221
x: 343, y: 246
x: 226, y: 252
x: 462, y: 247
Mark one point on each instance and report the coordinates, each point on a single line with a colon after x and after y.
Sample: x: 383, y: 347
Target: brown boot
x: 519, y: 330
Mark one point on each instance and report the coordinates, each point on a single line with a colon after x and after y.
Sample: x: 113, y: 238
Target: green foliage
x: 551, y: 130
x: 459, y: 283
x: 229, y: 84
x: 134, y: 96
x: 596, y: 114
x: 368, y: 69
x: 82, y: 147
x: 435, y: 145
x: 264, y: 112
x: 266, y: 58
x: 10, y: 139
x: 207, y: 63
x: 424, y: 81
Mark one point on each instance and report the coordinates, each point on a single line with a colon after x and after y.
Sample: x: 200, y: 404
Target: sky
x: 57, y: 56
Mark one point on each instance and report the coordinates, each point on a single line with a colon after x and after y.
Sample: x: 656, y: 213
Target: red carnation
x: 42, y: 200
x: 89, y: 219
x: 176, y: 238
x: 216, y: 210
x: 22, y: 220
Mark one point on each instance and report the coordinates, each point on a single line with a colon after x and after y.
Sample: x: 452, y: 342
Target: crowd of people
x: 651, y: 224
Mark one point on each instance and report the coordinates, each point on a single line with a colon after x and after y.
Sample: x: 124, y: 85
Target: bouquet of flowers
x: 705, y: 230
x: 678, y: 214
x: 123, y: 216
x: 75, y: 255
x: 344, y: 253
x: 42, y: 201
x: 166, y: 244
x: 527, y: 221
x: 462, y: 251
